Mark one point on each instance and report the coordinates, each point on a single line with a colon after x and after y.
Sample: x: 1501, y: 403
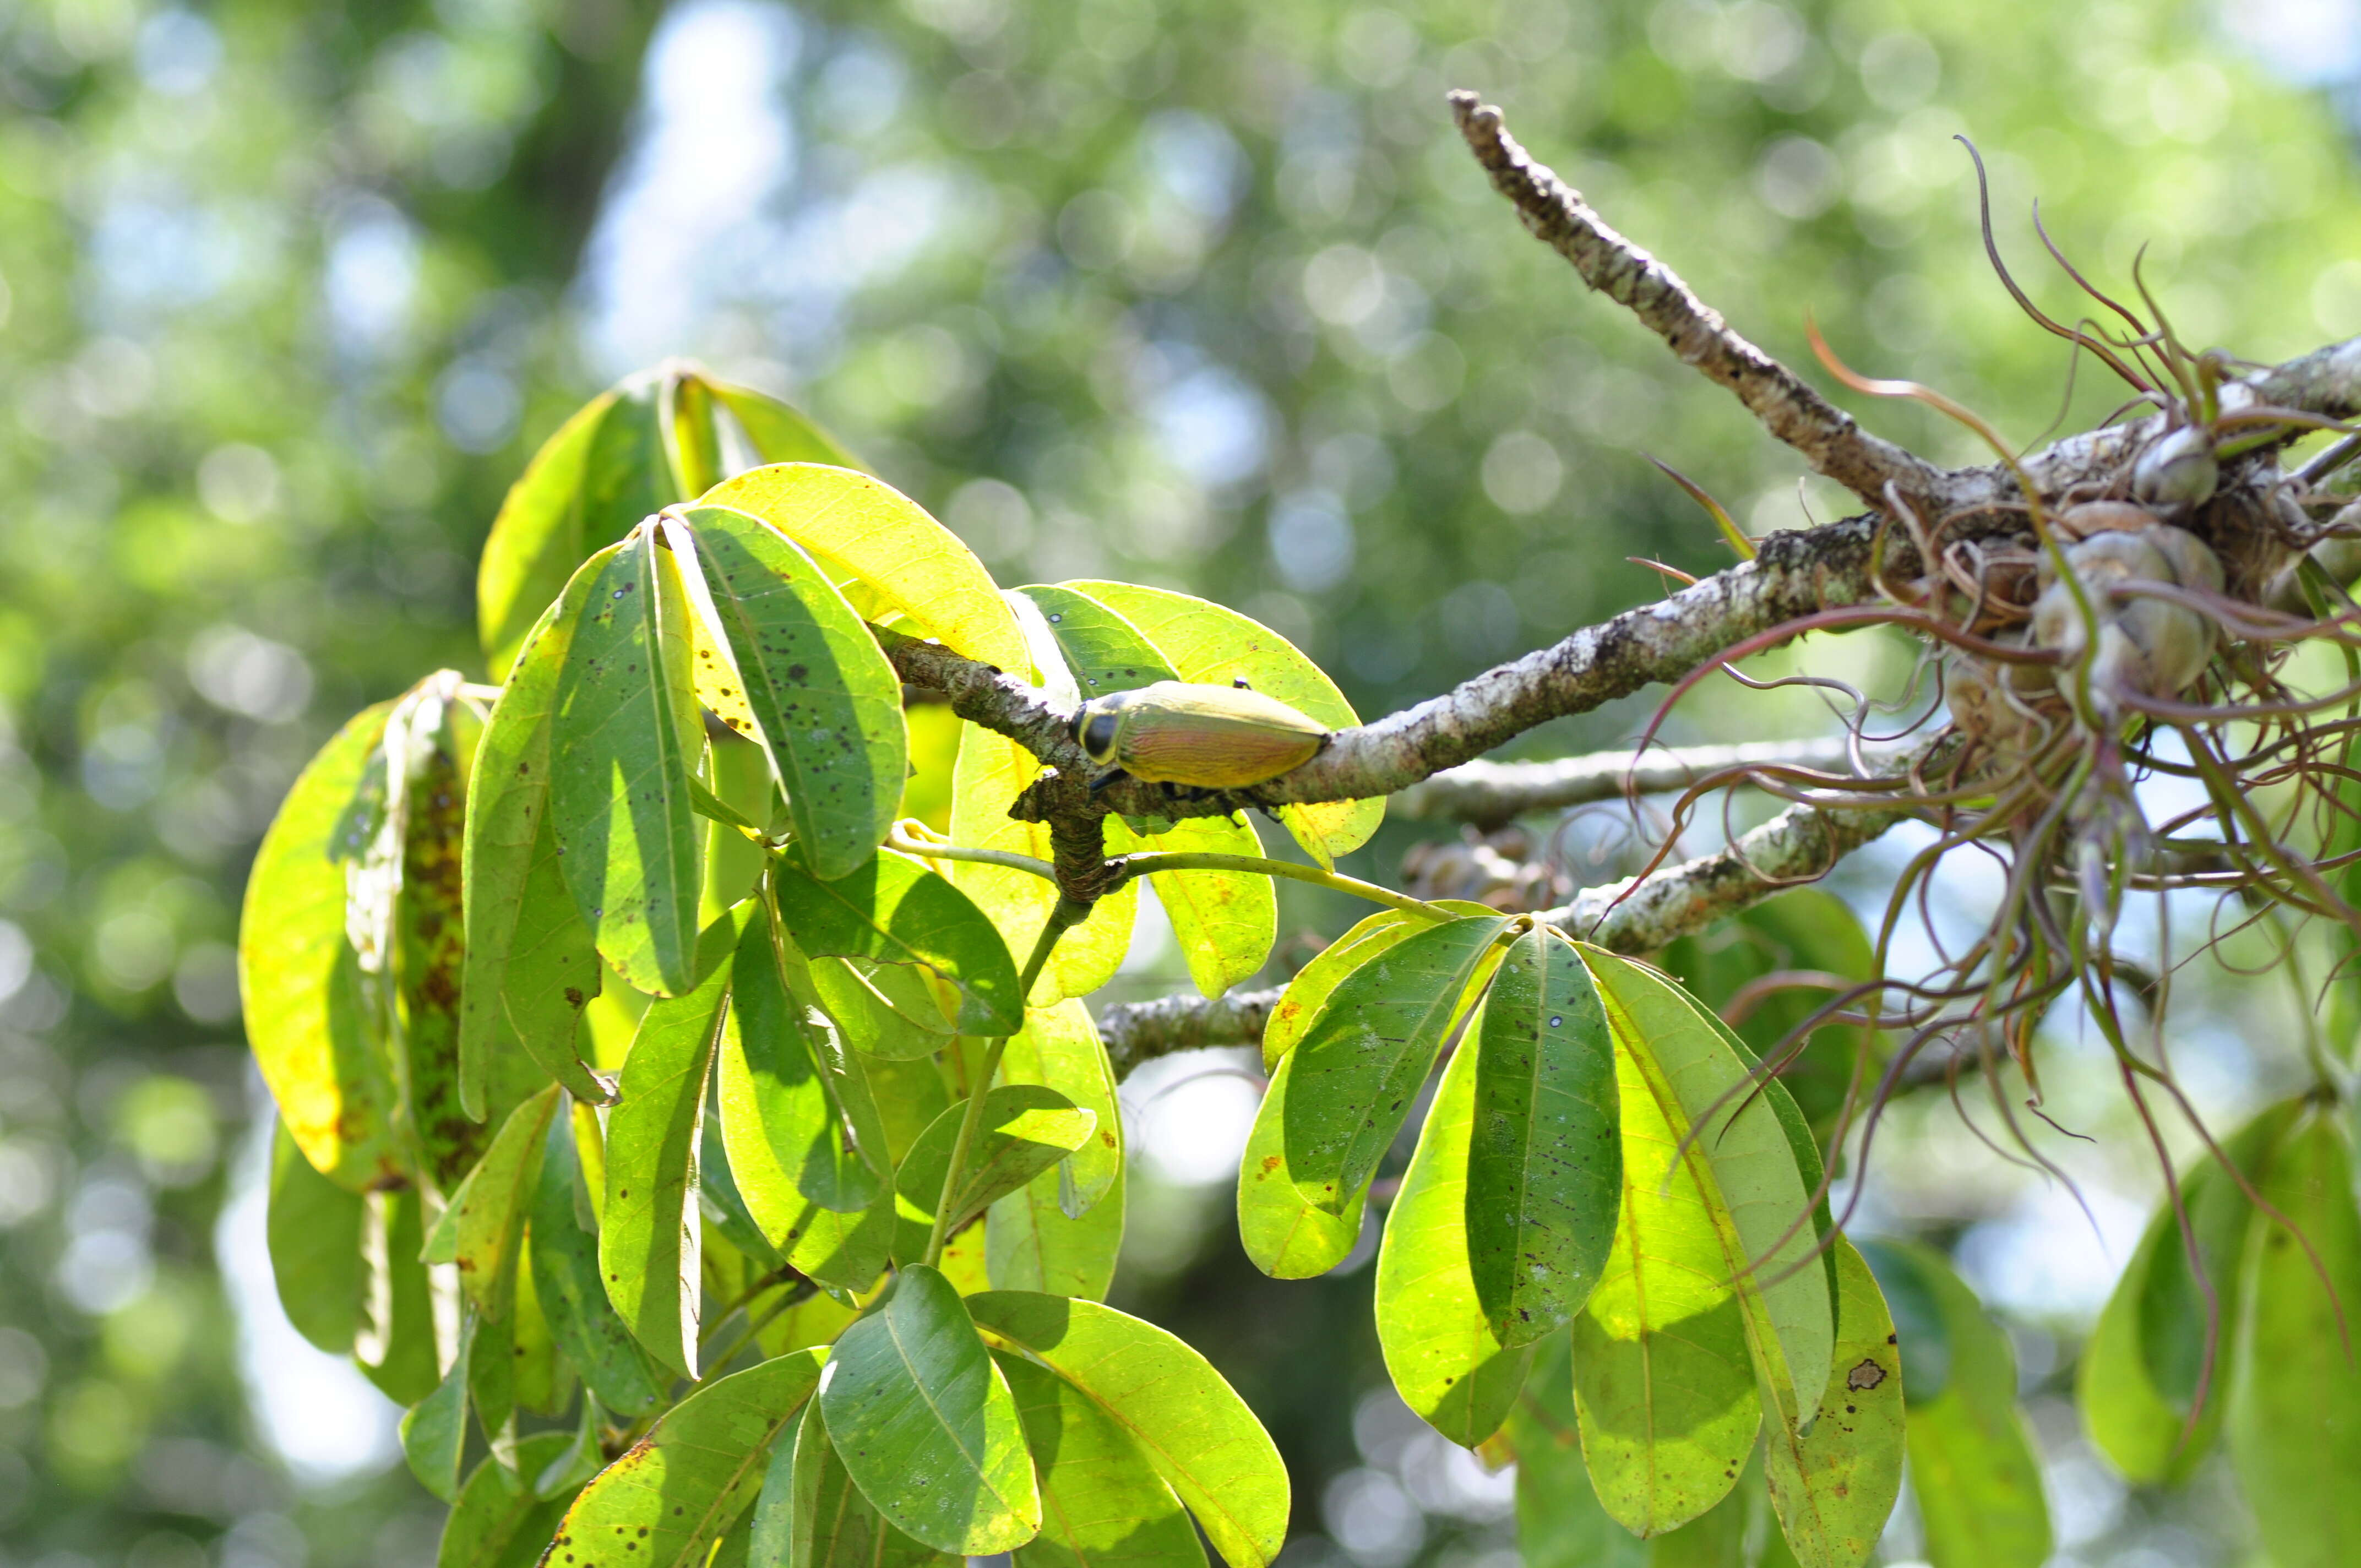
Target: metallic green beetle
x: 1207, y: 736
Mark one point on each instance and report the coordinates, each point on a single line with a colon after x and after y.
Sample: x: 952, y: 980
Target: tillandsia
x: 684, y: 1068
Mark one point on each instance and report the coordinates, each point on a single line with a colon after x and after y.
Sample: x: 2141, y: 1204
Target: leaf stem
x: 1149, y: 865
x: 1063, y: 919
x: 925, y: 850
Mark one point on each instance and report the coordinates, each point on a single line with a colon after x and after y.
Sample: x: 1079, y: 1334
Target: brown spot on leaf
x: 1868, y: 1374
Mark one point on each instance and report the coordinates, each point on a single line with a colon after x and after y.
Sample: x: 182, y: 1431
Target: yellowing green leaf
x: 1224, y: 922
x: 913, y: 565
x: 1447, y: 1358
x: 314, y: 1235
x: 827, y: 1522
x: 1285, y: 1233
x: 1060, y: 1048
x: 827, y: 706
x: 572, y: 1296
x: 1559, y: 1521
x: 1188, y: 1423
x: 305, y: 1014
x: 625, y: 737
x: 493, y: 1205
x: 1834, y: 1486
x: 675, y: 1493
x: 1101, y: 1502
x: 1025, y: 1129
x: 498, y: 1523
x: 1313, y: 983
x: 894, y: 911
x: 1030, y: 1244
x: 926, y: 1425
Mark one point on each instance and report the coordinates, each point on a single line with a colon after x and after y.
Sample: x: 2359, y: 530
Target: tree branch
x: 1789, y: 409
x: 1492, y: 795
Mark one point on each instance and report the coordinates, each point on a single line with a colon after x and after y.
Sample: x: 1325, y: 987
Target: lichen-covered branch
x: 1789, y: 408
x: 1135, y: 1031
x: 1491, y: 795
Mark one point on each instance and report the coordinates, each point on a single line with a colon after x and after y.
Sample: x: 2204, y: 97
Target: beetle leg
x: 1107, y: 778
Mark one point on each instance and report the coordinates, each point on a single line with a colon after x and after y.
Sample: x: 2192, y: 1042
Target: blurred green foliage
x: 1204, y: 295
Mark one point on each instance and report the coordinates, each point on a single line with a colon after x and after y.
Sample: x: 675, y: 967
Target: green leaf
x: 827, y: 704
x: 2294, y: 1420
x: 1286, y: 1234
x: 1308, y: 991
x: 1834, y: 1486
x: 1060, y: 1048
x: 493, y: 1205
x: 498, y: 1523
x: 827, y: 1522
x: 2139, y: 1374
x: 531, y: 968
x: 780, y: 433
x: 649, y: 1235
x: 1223, y: 921
x: 1661, y: 1372
x: 884, y: 1010
x: 1544, y: 1170
x: 1749, y: 1172
x: 1101, y: 1502
x: 1190, y: 1423
x: 1368, y: 1050
x: 1973, y: 1464
x: 603, y: 471
x: 667, y: 1501
x: 544, y: 1378
x: 1447, y: 1358
x: 305, y: 1015
x: 1213, y: 645
x: 1025, y: 1130
x: 1559, y: 1521
x: 893, y: 910
x: 1105, y: 651
x: 988, y: 775
x: 315, y: 1230
x: 925, y: 1422
x: 1030, y: 1244
x: 624, y: 739
x: 572, y: 1296
x: 395, y: 1347
x: 915, y: 572
x: 435, y: 1431
x: 1806, y: 932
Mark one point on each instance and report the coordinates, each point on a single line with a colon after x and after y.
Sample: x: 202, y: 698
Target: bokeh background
x: 1206, y: 295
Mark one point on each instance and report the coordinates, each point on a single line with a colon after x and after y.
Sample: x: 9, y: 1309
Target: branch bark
x: 1492, y: 795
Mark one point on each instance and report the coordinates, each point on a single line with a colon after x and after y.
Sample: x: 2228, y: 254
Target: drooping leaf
x: 2294, y: 1420
x: 395, y: 1346
x: 435, y: 1431
x: 1973, y: 1464
x: 1224, y: 922
x: 1025, y: 1129
x: 625, y: 735
x: 603, y: 471
x: 915, y: 571
x: 649, y: 1233
x: 1544, y: 1172
x: 989, y: 771
x: 1834, y: 1486
x: 1758, y: 1195
x: 1316, y: 980
x: 1559, y: 1521
x: 1060, y: 1048
x: 1810, y: 936
x: 925, y: 1423
x: 827, y: 705
x: 2139, y: 1374
x: 1213, y: 645
x: 572, y: 1295
x: 1661, y: 1372
x: 1188, y: 1423
x: 498, y: 1523
x: 493, y: 1206
x: 305, y: 1016
x: 1447, y: 1359
x: 314, y: 1234
x: 827, y: 1522
x: 1368, y: 1050
x: 779, y: 433
x: 1286, y: 1234
x: 678, y: 1490
x: 1030, y: 1242
x: 893, y: 910
x: 1101, y: 1502
x: 530, y: 968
